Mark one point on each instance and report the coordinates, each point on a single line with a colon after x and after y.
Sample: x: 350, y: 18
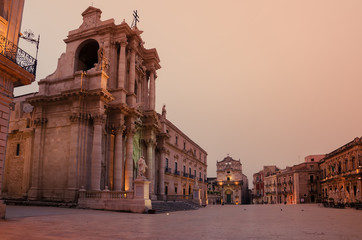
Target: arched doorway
x: 228, y: 194
x: 86, y: 55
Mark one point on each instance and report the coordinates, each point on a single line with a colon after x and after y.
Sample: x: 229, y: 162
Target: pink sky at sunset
x: 268, y: 82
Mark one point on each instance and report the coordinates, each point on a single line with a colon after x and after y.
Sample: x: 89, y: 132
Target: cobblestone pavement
x: 213, y: 222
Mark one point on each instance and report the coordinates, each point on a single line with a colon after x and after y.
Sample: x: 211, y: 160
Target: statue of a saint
x: 103, y: 62
x: 142, y: 167
x: 164, y: 111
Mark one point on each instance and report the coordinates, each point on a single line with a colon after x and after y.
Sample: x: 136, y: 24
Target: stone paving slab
x: 213, y: 222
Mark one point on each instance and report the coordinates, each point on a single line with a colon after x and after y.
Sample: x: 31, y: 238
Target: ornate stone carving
x: 98, y: 119
x: 123, y: 42
x: 77, y: 116
x: 40, y: 121
x: 131, y: 129
x: 119, y: 129
x: 150, y: 141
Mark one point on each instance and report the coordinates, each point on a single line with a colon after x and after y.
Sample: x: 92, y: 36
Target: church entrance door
x: 228, y: 198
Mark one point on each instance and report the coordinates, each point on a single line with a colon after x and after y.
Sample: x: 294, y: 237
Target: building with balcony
x: 342, y: 173
x: 232, y: 183
x: 85, y: 136
x: 269, y: 173
x: 258, y: 189
x: 292, y: 185
x: 185, y: 164
x: 17, y: 68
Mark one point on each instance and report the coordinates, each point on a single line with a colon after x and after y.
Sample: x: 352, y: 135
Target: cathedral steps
x: 39, y: 203
x: 172, y: 206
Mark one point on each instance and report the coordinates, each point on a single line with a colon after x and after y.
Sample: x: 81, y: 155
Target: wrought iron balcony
x: 167, y: 170
x: 177, y: 172
x: 17, y: 55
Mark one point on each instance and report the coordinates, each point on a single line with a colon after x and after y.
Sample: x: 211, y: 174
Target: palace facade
x: 17, y: 68
x: 342, y: 173
x: 80, y: 137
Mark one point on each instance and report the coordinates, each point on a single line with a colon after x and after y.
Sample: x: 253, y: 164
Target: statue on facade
x: 164, y: 111
x: 142, y: 167
x: 103, y: 63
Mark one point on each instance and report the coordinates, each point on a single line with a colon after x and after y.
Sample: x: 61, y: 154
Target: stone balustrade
x: 113, y: 195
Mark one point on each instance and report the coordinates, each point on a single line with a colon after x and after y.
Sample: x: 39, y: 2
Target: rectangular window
x: 17, y: 149
x: 189, y: 171
x: 175, y: 166
x: 166, y: 162
x: 175, y: 190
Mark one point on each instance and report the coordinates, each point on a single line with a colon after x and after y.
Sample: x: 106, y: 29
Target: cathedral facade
x: 83, y: 133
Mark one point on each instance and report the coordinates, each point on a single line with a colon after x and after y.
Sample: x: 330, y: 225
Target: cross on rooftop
x: 135, y: 19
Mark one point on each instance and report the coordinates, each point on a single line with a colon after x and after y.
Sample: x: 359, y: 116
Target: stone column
x: 152, y: 96
x: 151, y: 143
x: 132, y: 77
x: 129, y: 157
x: 122, y: 64
x: 118, y: 160
x: 96, y: 166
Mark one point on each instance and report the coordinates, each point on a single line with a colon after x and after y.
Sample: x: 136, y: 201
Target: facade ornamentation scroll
x: 40, y: 121
x: 77, y: 116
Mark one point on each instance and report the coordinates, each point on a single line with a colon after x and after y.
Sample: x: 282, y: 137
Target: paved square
x: 212, y: 222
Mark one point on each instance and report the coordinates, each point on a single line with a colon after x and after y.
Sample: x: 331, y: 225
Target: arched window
x: 86, y: 55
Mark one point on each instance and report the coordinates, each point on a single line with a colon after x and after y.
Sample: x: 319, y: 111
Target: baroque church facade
x: 83, y: 133
x: 230, y: 185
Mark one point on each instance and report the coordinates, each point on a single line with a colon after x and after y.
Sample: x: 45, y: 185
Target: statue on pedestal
x: 142, y: 167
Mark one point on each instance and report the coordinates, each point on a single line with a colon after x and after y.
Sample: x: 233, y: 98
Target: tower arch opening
x: 86, y: 55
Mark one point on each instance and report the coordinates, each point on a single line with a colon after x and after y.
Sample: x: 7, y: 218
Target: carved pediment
x: 91, y: 18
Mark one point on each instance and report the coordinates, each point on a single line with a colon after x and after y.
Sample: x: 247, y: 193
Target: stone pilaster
x: 96, y: 166
x: 122, y: 64
x: 73, y: 157
x: 162, y: 175
x: 34, y: 192
x: 118, y: 159
x: 130, y: 131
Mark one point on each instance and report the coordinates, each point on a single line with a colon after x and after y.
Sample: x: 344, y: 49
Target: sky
x: 267, y: 82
